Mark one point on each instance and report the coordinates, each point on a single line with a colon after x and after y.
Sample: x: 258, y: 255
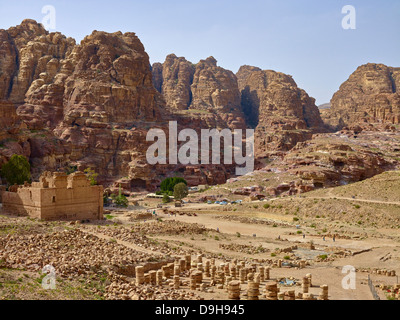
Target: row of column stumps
x: 230, y: 277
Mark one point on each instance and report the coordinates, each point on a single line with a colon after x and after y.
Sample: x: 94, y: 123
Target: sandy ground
x: 329, y: 273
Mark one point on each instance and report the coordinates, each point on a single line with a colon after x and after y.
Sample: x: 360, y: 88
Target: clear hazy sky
x: 303, y: 38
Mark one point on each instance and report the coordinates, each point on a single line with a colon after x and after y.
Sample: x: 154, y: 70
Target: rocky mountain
x: 91, y: 104
x: 370, y: 95
x: 281, y: 113
x: 173, y: 79
x: 204, y: 91
x: 88, y: 105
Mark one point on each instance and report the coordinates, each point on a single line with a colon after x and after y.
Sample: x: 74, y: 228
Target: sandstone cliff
x: 370, y: 95
x: 204, y: 92
x: 281, y: 113
x: 90, y: 105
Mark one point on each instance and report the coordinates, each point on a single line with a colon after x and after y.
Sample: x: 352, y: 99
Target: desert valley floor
x: 293, y: 236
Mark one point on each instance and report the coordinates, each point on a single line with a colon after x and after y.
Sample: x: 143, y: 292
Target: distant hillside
x: 388, y: 184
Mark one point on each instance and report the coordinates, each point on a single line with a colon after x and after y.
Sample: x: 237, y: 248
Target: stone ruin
x: 56, y: 196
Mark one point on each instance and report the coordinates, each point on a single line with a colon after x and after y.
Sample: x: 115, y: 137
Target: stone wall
x: 56, y: 197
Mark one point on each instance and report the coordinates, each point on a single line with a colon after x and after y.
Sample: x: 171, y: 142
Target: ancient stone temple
x: 56, y: 197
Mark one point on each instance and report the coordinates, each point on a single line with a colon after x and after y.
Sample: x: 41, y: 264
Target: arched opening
x: 138, y: 184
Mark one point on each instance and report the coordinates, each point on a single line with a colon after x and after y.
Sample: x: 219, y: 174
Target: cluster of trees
x: 16, y: 171
x: 176, y: 187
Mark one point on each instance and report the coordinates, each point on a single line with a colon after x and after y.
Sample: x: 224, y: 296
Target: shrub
x: 71, y: 169
x: 295, y: 219
x: 120, y: 200
x: 166, y: 199
x: 286, y: 257
x: 17, y: 170
x: 238, y: 234
x: 92, y: 176
x: 267, y: 206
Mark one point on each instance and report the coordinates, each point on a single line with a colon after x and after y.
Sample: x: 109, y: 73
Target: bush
x: 71, y: 169
x: 120, y: 200
x: 180, y: 191
x: 92, y: 176
x: 166, y: 199
x: 17, y: 170
x: 267, y: 206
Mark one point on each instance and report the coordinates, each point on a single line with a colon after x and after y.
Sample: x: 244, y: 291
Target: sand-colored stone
x: 57, y: 197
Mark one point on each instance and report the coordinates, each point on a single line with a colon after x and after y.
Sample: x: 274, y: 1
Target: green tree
x: 180, y: 191
x: 17, y: 170
x: 92, y: 176
x: 168, y: 184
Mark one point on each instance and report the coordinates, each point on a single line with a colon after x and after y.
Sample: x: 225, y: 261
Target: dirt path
x: 129, y: 245
x: 357, y: 200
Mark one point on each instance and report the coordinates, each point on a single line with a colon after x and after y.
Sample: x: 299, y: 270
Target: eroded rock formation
x: 91, y: 104
x: 281, y: 113
x: 203, y: 92
x: 370, y: 95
